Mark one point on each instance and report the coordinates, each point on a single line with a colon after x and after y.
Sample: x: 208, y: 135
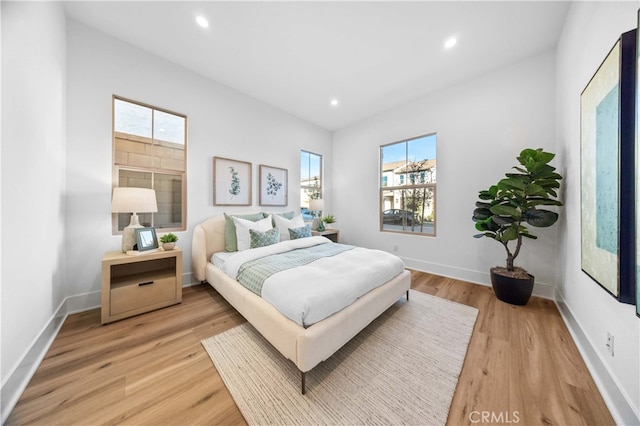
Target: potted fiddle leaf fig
x: 505, y: 212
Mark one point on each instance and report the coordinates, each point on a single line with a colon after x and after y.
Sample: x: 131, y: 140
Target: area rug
x: 402, y: 369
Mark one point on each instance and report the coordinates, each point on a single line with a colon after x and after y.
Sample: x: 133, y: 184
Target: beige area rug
x: 402, y: 369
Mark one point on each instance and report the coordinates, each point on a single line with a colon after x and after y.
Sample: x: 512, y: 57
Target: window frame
x: 406, y: 186
x: 320, y: 178
x: 116, y: 167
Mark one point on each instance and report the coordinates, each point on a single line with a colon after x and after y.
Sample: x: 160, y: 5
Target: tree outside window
x: 408, y: 186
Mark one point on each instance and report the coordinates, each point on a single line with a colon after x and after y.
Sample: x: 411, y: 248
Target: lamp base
x: 129, y: 234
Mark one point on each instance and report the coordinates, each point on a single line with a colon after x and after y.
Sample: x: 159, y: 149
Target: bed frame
x: 306, y: 347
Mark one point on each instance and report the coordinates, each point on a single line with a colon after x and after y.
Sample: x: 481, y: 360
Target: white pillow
x: 242, y: 230
x: 283, y: 224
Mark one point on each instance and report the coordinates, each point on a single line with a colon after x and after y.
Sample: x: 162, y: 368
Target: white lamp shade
x: 134, y: 200
x: 316, y: 205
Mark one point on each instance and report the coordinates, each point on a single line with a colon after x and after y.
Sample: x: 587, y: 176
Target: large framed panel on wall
x: 637, y: 176
x: 607, y: 108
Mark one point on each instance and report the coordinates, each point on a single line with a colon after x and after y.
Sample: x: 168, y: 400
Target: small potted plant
x: 168, y: 241
x: 330, y: 221
x: 506, y: 208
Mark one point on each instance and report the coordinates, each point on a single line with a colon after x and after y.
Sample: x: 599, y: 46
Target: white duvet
x: 310, y: 293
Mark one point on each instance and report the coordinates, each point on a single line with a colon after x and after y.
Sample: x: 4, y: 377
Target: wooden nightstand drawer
x: 133, y: 285
x: 142, y: 293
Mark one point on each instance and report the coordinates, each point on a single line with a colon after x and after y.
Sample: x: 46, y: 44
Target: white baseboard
x: 18, y: 379
x: 540, y: 289
x: 620, y: 408
x: 618, y: 403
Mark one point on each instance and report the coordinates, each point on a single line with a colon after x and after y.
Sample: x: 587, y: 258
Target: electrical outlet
x: 610, y: 343
x: 395, y: 247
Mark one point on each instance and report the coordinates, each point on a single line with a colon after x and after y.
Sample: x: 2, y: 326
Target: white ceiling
x: 297, y: 56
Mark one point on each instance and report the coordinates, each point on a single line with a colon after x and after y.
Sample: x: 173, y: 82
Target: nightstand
x: 331, y: 234
x: 132, y: 285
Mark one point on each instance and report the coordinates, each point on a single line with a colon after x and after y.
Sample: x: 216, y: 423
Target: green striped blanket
x: 254, y: 273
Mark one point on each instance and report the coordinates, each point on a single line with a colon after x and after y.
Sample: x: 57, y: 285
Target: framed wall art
x: 607, y: 109
x: 637, y: 175
x: 231, y: 182
x: 273, y: 186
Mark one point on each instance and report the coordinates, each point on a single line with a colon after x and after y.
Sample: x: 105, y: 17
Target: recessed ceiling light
x: 334, y: 102
x: 202, y: 21
x: 450, y: 43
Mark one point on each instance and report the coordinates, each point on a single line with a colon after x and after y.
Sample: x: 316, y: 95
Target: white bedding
x: 220, y: 257
x: 308, y: 294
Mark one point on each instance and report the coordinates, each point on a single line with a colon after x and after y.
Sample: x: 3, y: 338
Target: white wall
x: 221, y: 122
x: 58, y: 78
x: 590, y: 31
x: 482, y: 126
x: 33, y: 144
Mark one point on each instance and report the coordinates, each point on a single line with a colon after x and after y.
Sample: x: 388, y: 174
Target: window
x: 310, y: 181
x: 408, y: 186
x: 149, y: 151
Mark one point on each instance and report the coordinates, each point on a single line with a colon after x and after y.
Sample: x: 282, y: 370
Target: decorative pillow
x: 230, y: 239
x: 302, y: 232
x: 242, y: 230
x: 286, y: 215
x: 283, y: 224
x: 261, y: 239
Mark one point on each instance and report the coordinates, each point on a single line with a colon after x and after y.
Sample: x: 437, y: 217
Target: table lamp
x: 134, y: 201
x: 316, y: 206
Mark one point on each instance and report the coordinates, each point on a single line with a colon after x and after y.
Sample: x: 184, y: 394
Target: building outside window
x: 149, y: 151
x: 310, y: 181
x: 408, y: 186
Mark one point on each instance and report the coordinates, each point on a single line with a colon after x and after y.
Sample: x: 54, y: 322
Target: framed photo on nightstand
x: 146, y: 239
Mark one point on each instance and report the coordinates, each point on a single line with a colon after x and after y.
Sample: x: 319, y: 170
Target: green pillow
x: 230, y: 239
x: 261, y: 239
x: 286, y: 215
x: 303, y: 232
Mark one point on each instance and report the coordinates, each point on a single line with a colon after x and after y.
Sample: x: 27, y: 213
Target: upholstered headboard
x: 208, y: 238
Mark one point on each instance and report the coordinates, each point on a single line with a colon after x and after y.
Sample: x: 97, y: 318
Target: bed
x: 305, y: 346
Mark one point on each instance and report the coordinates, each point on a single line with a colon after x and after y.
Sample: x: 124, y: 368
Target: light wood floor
x: 522, y: 367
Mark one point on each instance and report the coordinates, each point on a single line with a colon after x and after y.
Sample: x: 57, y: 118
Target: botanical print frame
x: 231, y: 182
x: 274, y: 186
x: 607, y: 108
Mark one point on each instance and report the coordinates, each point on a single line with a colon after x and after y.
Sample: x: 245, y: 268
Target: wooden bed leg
x: 303, y: 382
x: 407, y: 294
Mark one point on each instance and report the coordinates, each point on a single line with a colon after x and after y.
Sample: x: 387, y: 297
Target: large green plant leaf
x: 502, y: 210
x: 543, y: 171
x: 486, y: 234
x: 534, y: 189
x: 540, y: 218
x: 523, y: 177
x: 511, y: 183
x: 481, y: 214
x: 510, y: 234
x: 543, y: 202
x: 481, y: 205
x: 548, y: 183
x: 503, y: 220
